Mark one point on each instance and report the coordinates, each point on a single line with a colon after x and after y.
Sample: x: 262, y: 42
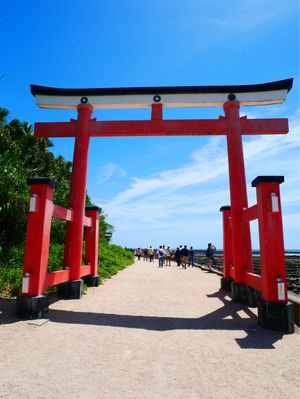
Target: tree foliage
x: 24, y: 156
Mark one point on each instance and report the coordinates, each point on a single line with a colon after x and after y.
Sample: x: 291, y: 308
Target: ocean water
x: 255, y: 252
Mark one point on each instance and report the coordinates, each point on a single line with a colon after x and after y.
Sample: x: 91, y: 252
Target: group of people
x: 147, y: 253
x: 182, y: 255
x: 165, y: 255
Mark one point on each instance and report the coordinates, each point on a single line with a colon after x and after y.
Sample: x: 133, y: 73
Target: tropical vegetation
x: 23, y: 156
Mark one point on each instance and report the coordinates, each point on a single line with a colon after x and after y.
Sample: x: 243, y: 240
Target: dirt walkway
x: 148, y: 333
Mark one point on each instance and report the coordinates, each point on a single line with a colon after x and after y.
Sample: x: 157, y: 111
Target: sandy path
x: 148, y: 333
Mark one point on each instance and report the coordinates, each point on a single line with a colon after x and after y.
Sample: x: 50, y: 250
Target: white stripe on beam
x: 168, y: 100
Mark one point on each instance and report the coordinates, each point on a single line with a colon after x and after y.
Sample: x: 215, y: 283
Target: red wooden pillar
x: 241, y: 238
x: 273, y: 310
x: 74, y: 234
x: 32, y: 303
x: 227, y: 241
x: 272, y: 260
x: 226, y: 280
x: 91, y: 245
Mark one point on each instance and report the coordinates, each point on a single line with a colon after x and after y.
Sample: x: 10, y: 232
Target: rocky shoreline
x: 292, y: 268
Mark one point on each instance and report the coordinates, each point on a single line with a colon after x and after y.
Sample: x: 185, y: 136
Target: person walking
x: 138, y: 253
x: 184, y: 256
x: 191, y: 257
x: 178, y: 256
x: 161, y: 256
x: 168, y: 256
x: 151, y: 254
x: 210, y: 251
x: 145, y: 254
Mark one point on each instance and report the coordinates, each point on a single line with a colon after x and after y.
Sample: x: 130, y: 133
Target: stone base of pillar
x: 276, y: 315
x: 226, y: 283
x: 245, y: 295
x: 239, y: 293
x: 71, y: 289
x: 253, y: 297
x: 32, y: 307
x: 91, y: 281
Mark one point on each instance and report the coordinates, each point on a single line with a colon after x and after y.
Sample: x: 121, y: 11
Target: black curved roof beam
x: 169, y: 96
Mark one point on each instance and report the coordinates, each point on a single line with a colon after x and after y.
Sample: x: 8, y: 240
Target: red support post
x: 91, y: 245
x: 241, y: 238
x: 32, y: 302
x: 273, y: 309
x: 157, y: 112
x: 226, y: 280
x: 272, y: 260
x: 74, y: 234
x: 38, y: 236
x: 227, y: 241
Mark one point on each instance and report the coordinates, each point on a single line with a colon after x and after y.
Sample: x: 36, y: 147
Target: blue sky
x: 161, y: 190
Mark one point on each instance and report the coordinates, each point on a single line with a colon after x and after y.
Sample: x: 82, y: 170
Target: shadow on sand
x: 230, y: 316
x: 8, y: 308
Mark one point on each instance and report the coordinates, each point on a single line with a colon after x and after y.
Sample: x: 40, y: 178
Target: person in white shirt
x: 161, y: 256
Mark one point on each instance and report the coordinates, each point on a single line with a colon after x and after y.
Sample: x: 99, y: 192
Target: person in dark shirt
x: 191, y: 257
x: 184, y: 256
x: 178, y: 256
x: 210, y: 254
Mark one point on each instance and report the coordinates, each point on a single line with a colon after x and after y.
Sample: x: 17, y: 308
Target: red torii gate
x: 231, y: 125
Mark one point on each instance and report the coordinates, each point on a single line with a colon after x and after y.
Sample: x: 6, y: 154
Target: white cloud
x: 109, y: 170
x: 249, y: 14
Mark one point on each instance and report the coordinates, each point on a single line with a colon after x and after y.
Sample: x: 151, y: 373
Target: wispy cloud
x: 249, y: 14
x: 109, y: 170
x: 186, y: 201
x: 203, y: 168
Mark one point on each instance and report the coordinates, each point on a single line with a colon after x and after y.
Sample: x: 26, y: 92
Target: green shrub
x: 56, y: 257
x: 11, y: 272
x: 11, y: 269
x: 113, y: 258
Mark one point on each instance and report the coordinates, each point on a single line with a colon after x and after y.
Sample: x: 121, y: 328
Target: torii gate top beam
x: 175, y: 96
x: 152, y: 127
